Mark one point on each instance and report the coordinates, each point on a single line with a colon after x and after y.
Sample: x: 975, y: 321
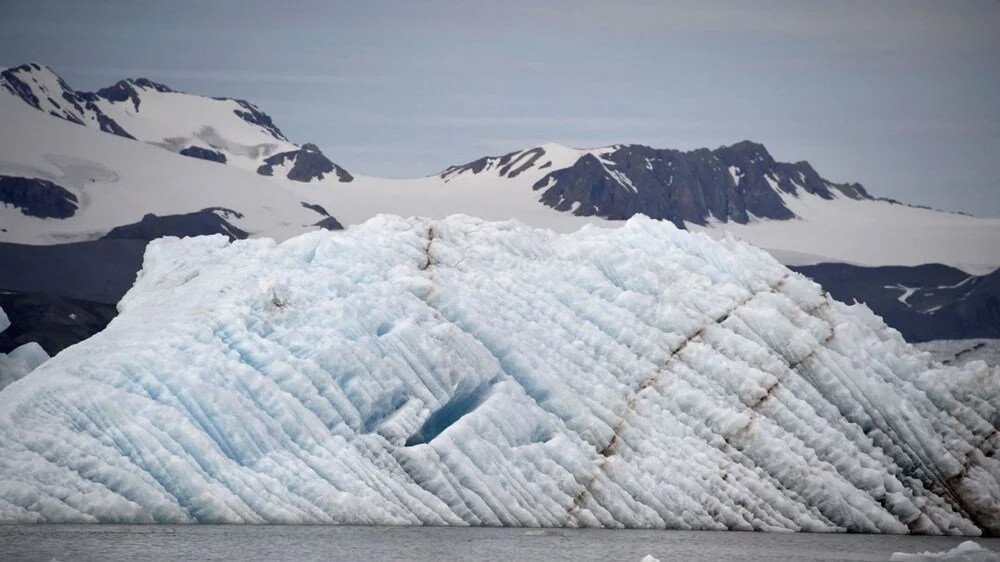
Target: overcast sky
x: 900, y: 96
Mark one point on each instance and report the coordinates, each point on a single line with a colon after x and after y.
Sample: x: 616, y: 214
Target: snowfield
x: 463, y: 372
x: 871, y: 233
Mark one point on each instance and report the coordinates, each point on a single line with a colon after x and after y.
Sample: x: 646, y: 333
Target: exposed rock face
x: 58, y: 99
x: 251, y: 114
x: 510, y: 165
x: 201, y: 223
x: 204, y: 154
x: 61, y: 294
x: 927, y: 302
x: 125, y: 90
x: 98, y: 270
x: 54, y: 322
x: 328, y: 222
x: 730, y: 183
x: 305, y: 164
x: 37, y: 197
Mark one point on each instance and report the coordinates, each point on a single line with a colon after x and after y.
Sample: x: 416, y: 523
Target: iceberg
x: 968, y: 551
x: 21, y: 360
x: 465, y: 372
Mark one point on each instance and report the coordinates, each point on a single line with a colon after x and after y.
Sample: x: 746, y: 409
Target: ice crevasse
x: 458, y: 371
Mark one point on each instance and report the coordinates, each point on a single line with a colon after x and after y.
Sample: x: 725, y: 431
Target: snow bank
x: 967, y: 551
x: 409, y: 371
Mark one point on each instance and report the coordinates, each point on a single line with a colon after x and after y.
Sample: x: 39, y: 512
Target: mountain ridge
x: 141, y: 109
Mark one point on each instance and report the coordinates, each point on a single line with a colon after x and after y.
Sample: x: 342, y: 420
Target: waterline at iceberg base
x: 463, y: 372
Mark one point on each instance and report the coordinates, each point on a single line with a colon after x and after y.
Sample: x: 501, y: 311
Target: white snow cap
x: 410, y: 371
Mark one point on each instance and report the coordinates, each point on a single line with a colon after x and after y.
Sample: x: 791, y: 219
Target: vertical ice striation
x: 409, y: 371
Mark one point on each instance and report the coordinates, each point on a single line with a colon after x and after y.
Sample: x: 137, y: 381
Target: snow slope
x: 866, y: 232
x: 222, y: 130
x: 118, y: 180
x: 176, y: 120
x: 410, y: 371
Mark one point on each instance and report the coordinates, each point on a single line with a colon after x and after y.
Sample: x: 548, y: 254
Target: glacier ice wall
x: 409, y: 371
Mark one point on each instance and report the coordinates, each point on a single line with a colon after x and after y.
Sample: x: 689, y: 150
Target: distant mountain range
x: 731, y: 183
x: 97, y: 174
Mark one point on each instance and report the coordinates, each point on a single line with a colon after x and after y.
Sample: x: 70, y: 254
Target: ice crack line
x: 946, y: 486
x: 609, y: 450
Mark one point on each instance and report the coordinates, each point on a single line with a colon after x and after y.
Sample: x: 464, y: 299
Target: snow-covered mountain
x: 413, y: 371
x: 786, y: 208
x: 732, y: 183
x: 223, y: 130
x: 61, y: 182
x: 147, y: 163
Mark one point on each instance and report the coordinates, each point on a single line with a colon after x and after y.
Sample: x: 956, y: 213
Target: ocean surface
x: 441, y: 544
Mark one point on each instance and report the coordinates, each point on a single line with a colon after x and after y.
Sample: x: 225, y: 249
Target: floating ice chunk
x: 967, y: 551
x: 21, y: 361
x: 462, y: 372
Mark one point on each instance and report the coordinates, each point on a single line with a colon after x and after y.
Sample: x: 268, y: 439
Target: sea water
x: 307, y: 542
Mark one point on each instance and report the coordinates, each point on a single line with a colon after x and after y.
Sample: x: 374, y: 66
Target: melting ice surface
x: 409, y: 371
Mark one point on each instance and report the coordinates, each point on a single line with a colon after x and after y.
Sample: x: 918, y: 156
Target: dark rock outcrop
x: 201, y: 223
x: 125, y: 90
x: 54, y: 322
x: 12, y: 83
x: 308, y: 164
x: 731, y: 183
x: 251, y: 114
x: 926, y: 302
x: 328, y: 222
x: 61, y: 294
x: 37, y: 197
x: 735, y: 183
x: 510, y: 165
x: 71, y: 105
x: 204, y: 154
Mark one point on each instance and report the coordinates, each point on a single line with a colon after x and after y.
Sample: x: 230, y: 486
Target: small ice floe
x: 967, y: 551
